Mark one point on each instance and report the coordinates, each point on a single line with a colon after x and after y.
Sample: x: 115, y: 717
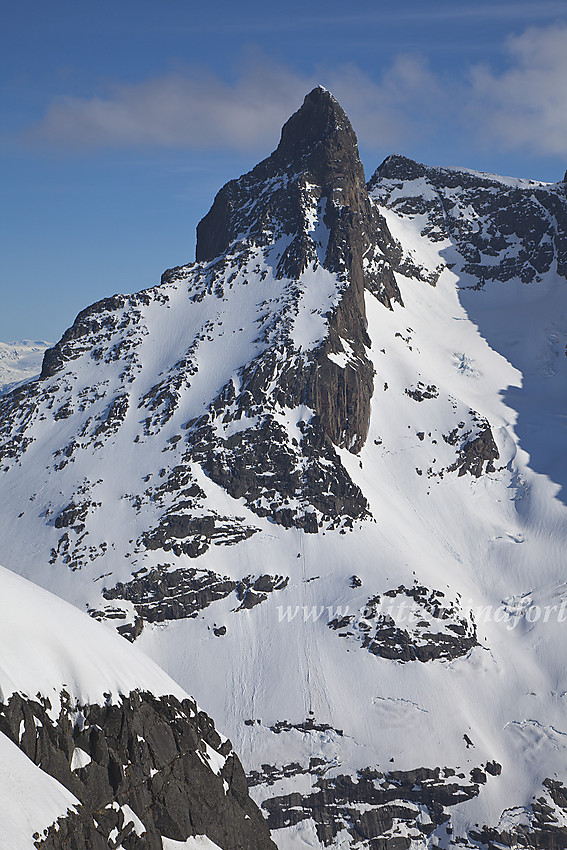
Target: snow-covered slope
x: 49, y: 646
x: 20, y: 361
x: 317, y: 476
x: 30, y: 799
x: 84, y: 725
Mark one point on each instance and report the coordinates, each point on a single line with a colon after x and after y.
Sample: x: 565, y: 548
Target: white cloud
x: 521, y: 107
x: 195, y: 109
x: 526, y: 105
x: 408, y: 101
x: 198, y: 110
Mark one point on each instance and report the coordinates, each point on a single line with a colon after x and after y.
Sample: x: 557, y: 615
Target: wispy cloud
x: 409, y: 99
x: 195, y: 109
x: 524, y: 106
x: 519, y: 11
x: 198, y: 110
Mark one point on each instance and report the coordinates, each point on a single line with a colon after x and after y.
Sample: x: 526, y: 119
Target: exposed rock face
x: 317, y: 157
x: 410, y: 624
x: 477, y: 452
x: 507, y: 237
x: 161, y: 595
x: 302, y: 484
x: 389, y: 811
x: 160, y: 759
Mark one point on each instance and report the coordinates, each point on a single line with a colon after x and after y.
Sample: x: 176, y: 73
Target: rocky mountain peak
x: 316, y: 161
x: 319, y: 137
x: 319, y: 116
x: 398, y: 167
x: 185, y: 471
x: 309, y: 198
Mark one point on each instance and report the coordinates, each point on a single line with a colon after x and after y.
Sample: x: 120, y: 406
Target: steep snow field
x: 30, y: 799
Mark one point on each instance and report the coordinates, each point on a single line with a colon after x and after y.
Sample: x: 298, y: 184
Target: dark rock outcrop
x: 161, y: 594
x: 278, y: 479
x: 410, y: 624
x: 373, y: 805
x: 477, y: 452
x: 160, y: 758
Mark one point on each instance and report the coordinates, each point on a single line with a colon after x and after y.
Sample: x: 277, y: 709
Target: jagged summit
x: 320, y: 135
x: 319, y: 116
x: 310, y: 197
x: 317, y: 146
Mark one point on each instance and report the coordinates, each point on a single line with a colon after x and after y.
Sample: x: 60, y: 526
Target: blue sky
x: 121, y: 120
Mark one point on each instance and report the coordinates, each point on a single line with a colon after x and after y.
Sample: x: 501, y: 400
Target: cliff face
x: 314, y: 180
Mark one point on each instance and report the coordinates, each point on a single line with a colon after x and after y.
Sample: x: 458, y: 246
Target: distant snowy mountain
x: 318, y: 476
x: 20, y: 361
x: 99, y: 748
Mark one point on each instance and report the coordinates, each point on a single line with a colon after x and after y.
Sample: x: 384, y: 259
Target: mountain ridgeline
x: 318, y: 475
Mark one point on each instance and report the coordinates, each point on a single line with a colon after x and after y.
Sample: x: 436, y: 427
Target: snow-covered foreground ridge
x: 48, y: 646
x: 96, y: 740
x: 317, y: 476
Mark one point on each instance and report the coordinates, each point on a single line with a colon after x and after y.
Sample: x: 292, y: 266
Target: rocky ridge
x: 502, y: 228
x: 141, y: 770
x: 140, y: 765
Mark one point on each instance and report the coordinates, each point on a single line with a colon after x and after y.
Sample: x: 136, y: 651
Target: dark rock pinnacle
x: 317, y: 140
x: 315, y: 164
